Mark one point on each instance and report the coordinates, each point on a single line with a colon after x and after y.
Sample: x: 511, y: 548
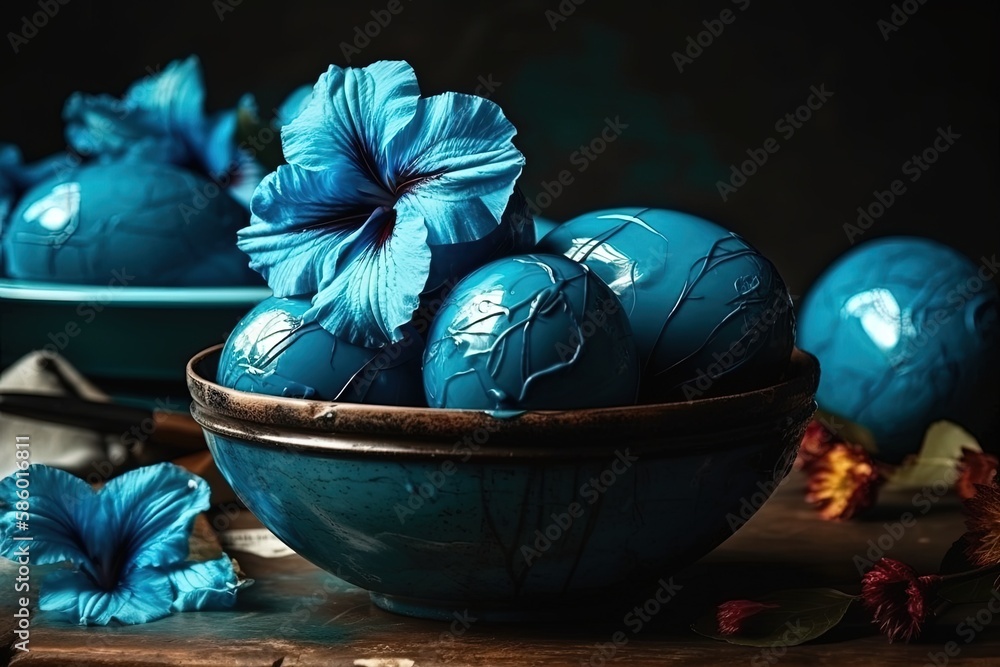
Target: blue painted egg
x: 905, y: 330
x: 542, y: 227
x: 135, y: 224
x: 709, y: 313
x: 530, y: 332
x: 273, y: 351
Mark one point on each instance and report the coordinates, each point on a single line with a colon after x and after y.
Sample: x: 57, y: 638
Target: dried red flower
x: 975, y: 468
x: 843, y: 482
x: 816, y: 442
x: 899, y: 599
x: 731, y: 615
x: 983, y: 522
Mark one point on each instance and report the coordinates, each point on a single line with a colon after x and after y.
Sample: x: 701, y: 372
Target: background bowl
x: 436, y: 510
x: 111, y: 331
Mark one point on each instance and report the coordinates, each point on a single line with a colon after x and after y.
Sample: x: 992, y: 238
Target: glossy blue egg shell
x: 710, y: 314
x: 905, y: 329
x: 274, y: 351
x: 530, y: 332
x: 135, y: 224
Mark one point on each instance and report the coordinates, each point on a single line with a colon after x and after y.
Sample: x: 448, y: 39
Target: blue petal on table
x: 205, y: 585
x: 141, y: 596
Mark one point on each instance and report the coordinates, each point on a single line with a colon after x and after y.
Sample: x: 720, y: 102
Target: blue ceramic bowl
x: 114, y: 331
x: 436, y: 510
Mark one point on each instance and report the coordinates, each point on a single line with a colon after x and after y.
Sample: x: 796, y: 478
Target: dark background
x: 608, y: 59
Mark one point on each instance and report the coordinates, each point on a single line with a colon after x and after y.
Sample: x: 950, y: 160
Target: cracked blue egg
x: 710, y: 314
x: 154, y: 224
x: 906, y: 332
x: 530, y: 332
x: 273, y: 350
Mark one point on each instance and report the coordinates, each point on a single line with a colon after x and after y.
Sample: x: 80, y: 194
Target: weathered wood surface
x: 298, y: 615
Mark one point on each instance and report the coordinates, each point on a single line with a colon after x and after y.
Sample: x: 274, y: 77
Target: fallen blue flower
x: 127, y: 543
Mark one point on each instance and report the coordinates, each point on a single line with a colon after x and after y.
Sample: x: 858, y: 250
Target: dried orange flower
x: 974, y: 468
x: 843, y: 482
x: 816, y: 442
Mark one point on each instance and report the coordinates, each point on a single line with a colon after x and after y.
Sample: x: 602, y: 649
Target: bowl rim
x: 304, y: 424
x: 111, y: 295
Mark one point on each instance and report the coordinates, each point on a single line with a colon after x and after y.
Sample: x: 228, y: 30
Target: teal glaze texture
x: 906, y: 332
x: 537, y: 515
x: 710, y: 314
x: 530, y: 332
x: 127, y: 224
x: 274, y: 351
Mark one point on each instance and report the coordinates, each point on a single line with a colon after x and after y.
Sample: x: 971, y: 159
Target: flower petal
x: 460, y: 147
x: 296, y: 101
x: 155, y: 507
x: 351, y: 116
x: 370, y: 293
x: 143, y: 595
x: 293, y: 225
x: 60, y: 520
x: 205, y: 585
x: 149, y: 122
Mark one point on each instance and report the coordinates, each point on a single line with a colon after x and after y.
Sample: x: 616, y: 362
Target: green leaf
x: 938, y: 457
x: 979, y: 589
x: 955, y: 561
x: 800, y: 616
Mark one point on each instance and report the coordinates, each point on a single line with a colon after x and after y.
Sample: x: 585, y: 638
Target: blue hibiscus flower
x: 162, y: 118
x: 128, y: 543
x: 386, y: 194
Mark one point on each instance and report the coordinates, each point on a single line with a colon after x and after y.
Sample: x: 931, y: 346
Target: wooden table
x: 297, y: 615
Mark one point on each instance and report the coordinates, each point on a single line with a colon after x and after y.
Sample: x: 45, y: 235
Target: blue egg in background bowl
x: 141, y: 223
x: 906, y: 331
x: 273, y: 350
x: 710, y: 314
x: 530, y: 332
